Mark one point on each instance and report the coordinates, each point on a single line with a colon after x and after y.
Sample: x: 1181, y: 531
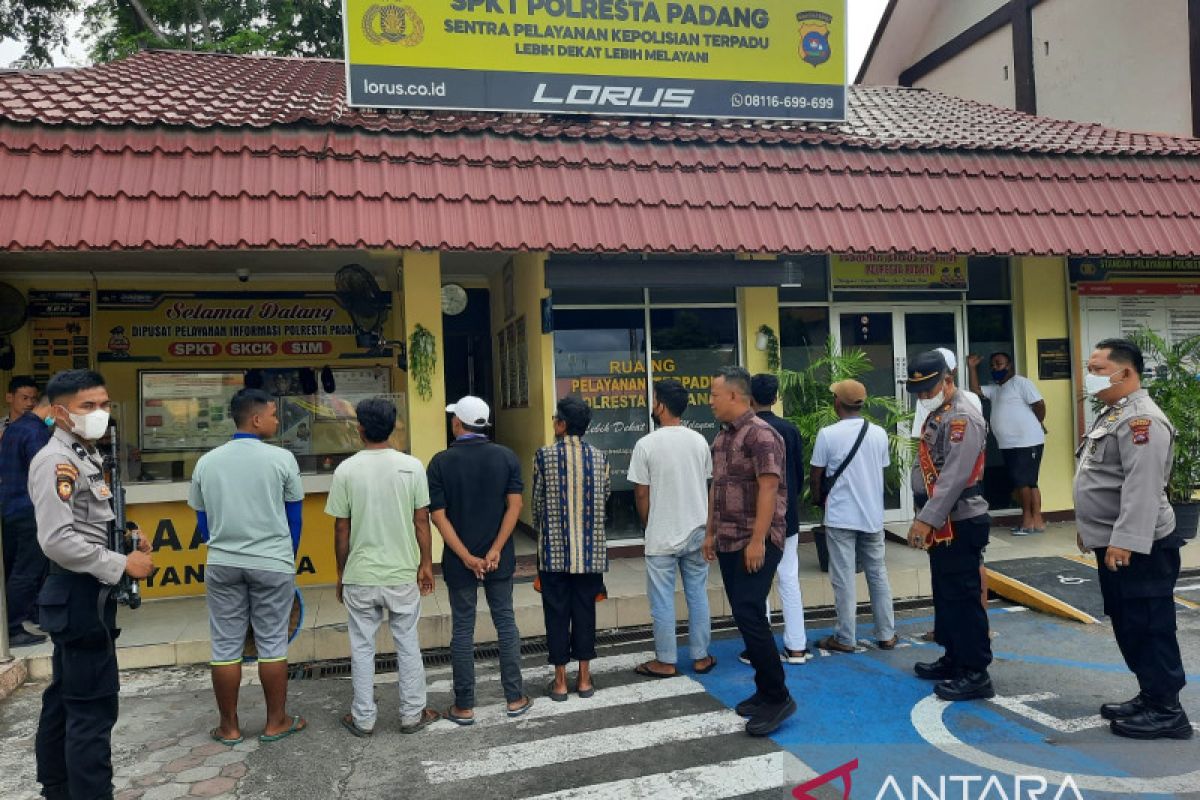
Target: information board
x: 756, y: 59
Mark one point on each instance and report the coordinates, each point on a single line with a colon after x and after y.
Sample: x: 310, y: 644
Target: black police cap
x: 926, y: 370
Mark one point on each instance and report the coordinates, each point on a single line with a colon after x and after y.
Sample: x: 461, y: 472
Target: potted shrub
x: 808, y: 403
x: 1173, y: 381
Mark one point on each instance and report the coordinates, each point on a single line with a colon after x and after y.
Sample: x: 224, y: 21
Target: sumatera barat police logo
x: 814, y: 36
x: 392, y: 24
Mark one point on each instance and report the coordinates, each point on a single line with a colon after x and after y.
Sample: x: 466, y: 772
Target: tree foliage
x: 116, y: 28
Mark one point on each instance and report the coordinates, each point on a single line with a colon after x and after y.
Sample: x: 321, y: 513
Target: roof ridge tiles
x: 206, y: 91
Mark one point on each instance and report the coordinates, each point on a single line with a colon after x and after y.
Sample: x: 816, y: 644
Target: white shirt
x: 856, y: 501
x: 1012, y: 420
x: 676, y: 463
x: 919, y: 417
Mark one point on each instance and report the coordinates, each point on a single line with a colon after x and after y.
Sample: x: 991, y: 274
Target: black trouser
x: 747, y: 593
x: 960, y: 620
x: 79, y: 707
x: 1139, y: 599
x: 24, y: 568
x: 569, y: 606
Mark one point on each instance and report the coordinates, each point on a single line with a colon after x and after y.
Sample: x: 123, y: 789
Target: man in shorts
x: 1018, y: 412
x: 247, y: 497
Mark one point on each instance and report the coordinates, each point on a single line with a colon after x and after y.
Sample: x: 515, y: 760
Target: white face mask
x: 1095, y: 384
x: 90, y: 426
x: 933, y: 403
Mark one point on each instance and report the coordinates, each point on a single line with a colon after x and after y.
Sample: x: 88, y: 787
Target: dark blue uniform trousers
x: 79, y: 707
x: 960, y: 621
x: 1139, y: 599
x: 24, y: 568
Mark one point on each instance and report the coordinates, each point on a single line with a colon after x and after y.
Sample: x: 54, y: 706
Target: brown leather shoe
x: 890, y: 644
x: 832, y: 644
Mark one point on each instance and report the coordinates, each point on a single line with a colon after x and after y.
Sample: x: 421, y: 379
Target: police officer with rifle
x: 90, y: 572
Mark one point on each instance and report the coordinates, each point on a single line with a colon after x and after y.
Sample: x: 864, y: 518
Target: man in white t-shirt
x: 854, y: 516
x: 920, y: 414
x: 1018, y: 412
x: 670, y: 470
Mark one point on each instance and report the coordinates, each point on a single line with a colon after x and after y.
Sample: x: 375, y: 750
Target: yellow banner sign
x: 768, y: 59
x: 915, y: 274
x: 225, y: 326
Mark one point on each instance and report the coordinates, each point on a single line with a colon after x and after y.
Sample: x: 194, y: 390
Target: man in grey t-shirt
x: 669, y: 470
x: 247, y: 497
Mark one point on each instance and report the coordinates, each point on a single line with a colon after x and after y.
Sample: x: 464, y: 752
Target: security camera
x: 243, y: 275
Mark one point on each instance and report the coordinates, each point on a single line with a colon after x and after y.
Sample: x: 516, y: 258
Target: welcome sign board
x: 770, y: 59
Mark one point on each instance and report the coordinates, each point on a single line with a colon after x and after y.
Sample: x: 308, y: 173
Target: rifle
x: 127, y: 592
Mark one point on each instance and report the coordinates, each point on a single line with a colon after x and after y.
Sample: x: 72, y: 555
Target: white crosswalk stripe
x: 571, y: 747
x: 711, y: 781
x: 544, y: 708
x: 534, y: 675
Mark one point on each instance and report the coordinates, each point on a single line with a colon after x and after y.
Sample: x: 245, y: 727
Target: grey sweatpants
x: 365, y: 606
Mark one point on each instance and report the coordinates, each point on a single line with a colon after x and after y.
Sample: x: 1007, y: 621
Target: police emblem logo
x: 814, y: 37
x: 65, y: 476
x: 393, y: 24
x: 1140, y: 429
x: 958, y: 429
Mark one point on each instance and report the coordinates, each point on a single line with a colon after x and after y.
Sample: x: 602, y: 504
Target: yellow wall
x: 524, y: 430
x: 1040, y: 312
x: 757, y: 306
x: 423, y: 305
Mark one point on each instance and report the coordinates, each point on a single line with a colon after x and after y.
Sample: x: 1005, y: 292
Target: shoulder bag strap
x: 862, y: 434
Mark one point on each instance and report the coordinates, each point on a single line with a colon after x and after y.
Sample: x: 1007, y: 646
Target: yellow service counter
x: 162, y: 512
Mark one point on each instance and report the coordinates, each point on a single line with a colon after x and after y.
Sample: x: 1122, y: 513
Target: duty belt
x: 919, y: 500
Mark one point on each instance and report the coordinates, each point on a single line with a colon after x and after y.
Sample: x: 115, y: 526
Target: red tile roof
x: 208, y: 151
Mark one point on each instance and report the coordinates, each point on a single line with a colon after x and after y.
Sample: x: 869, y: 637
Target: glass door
x: 890, y: 338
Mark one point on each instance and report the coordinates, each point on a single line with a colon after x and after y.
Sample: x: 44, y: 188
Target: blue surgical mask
x: 49, y: 422
x: 999, y: 375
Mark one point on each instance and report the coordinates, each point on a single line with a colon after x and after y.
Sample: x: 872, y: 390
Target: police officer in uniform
x: 73, y: 506
x: 1122, y: 514
x: 952, y: 524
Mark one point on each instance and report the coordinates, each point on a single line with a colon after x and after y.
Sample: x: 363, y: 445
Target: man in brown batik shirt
x: 746, y: 511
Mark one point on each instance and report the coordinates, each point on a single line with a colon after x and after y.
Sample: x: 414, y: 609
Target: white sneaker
x: 795, y: 656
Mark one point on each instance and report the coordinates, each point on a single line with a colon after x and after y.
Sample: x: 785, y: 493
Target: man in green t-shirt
x: 380, y: 501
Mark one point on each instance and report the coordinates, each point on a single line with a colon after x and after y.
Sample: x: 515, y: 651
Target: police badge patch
x: 65, y: 476
x: 1140, y: 429
x: 958, y: 429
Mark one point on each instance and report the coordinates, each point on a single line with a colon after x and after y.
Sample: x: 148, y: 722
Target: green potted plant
x: 808, y: 403
x: 1173, y: 381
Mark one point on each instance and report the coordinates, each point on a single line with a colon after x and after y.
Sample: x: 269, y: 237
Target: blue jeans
x: 846, y: 549
x: 660, y: 586
x: 463, y: 600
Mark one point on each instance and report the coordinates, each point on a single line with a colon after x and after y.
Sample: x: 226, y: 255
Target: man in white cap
x: 475, y: 497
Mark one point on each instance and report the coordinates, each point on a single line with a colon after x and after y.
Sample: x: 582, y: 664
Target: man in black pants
x: 1122, y: 513
x: 952, y: 524
x: 746, y: 507
x: 24, y: 563
x: 73, y: 506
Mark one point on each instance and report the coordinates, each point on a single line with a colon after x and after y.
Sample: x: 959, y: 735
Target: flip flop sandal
x: 298, y: 724
x: 457, y: 720
x: 519, y: 712
x: 558, y: 697
x: 215, y: 735
x: 645, y: 671
x: 428, y: 717
x: 586, y: 693
x: 712, y: 664
x: 349, y: 724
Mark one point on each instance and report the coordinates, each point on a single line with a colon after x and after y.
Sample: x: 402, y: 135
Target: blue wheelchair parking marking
x: 860, y: 707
